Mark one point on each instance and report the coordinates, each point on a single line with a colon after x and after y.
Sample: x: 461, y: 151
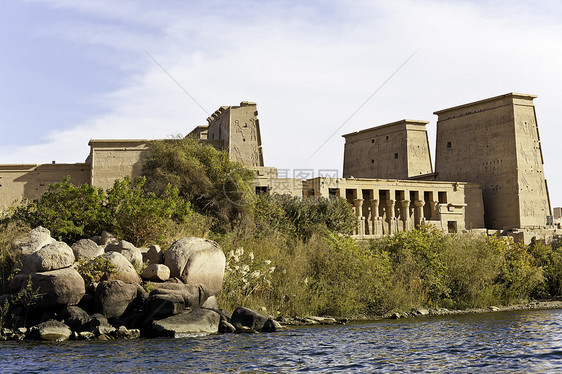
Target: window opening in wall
x: 396, y: 155
x: 452, y: 227
x: 442, y: 196
x: 387, y: 137
x: 349, y: 194
x: 384, y: 195
x: 372, y: 161
x: 372, y: 140
x: 448, y: 144
x: 366, y: 194
x: 333, y: 192
x: 427, y: 198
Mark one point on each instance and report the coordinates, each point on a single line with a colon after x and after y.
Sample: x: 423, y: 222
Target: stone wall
x: 386, y: 206
x: 115, y: 159
x: 29, y: 181
x: 397, y: 150
x: 495, y: 143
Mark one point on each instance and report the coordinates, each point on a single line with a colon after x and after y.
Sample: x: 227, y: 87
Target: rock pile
x: 50, y: 299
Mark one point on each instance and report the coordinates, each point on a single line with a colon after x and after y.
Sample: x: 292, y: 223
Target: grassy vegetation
x: 286, y: 255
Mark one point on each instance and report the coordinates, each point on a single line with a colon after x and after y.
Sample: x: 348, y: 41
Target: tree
x: 203, y: 175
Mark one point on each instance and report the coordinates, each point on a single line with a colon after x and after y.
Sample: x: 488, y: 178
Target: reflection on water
x: 526, y: 341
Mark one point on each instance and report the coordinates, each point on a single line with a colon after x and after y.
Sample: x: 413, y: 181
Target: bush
x: 203, y: 175
x: 94, y: 270
x: 303, y: 217
x: 68, y: 211
x: 10, y: 232
x: 142, y: 217
x: 72, y: 212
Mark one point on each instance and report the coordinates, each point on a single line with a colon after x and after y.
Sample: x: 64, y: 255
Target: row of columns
x: 376, y: 221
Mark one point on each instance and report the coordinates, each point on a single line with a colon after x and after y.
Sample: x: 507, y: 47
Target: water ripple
x: 525, y: 341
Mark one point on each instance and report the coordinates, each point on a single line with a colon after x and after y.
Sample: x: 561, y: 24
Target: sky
x: 74, y: 70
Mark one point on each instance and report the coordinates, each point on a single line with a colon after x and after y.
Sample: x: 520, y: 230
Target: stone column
x: 374, y: 216
x: 391, y: 219
x: 358, y: 204
x: 418, y: 213
x: 434, y: 215
x: 405, y: 214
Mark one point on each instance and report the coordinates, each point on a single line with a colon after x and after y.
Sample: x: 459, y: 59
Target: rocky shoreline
x: 418, y: 312
x: 102, y: 288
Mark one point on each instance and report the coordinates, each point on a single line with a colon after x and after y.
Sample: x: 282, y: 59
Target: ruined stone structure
x: 488, y: 174
x: 558, y: 216
x: 386, y: 206
x: 398, y: 150
x: 496, y: 143
x: 236, y: 130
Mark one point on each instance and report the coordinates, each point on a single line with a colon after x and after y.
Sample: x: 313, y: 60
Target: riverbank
x: 419, y: 312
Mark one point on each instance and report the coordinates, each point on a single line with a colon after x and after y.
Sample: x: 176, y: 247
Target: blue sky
x: 75, y: 70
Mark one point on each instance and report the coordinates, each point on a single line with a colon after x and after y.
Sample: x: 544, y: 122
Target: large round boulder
x: 53, y: 256
x: 114, y: 298
x: 74, y: 317
x: 124, y: 269
x: 128, y: 250
x: 86, y: 249
x: 197, y: 261
x: 57, y: 287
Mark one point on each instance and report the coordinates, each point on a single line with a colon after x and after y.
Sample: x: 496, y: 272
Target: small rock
x: 108, y: 238
x: 245, y: 330
x: 226, y: 328
x: 125, y: 270
x: 156, y: 272
x: 75, y: 317
x: 271, y: 325
x: 248, y: 318
x: 197, y: 321
x: 86, y: 249
x: 211, y: 303
x: 422, y: 312
x: 38, y: 238
x: 154, y: 255
x: 86, y: 335
x: 51, y: 330
x: 164, y: 305
x: 53, y: 256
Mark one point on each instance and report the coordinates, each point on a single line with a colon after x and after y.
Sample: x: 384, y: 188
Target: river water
x: 522, y: 341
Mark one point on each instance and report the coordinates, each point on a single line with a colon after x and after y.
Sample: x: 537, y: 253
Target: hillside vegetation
x: 288, y: 256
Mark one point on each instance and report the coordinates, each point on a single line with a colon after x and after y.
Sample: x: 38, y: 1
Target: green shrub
x: 203, y: 175
x: 11, y: 231
x: 303, y: 217
x: 96, y: 269
x: 68, y: 211
x: 74, y: 212
x: 142, y: 217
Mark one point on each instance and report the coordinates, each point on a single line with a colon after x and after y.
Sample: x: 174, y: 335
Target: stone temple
x: 488, y: 173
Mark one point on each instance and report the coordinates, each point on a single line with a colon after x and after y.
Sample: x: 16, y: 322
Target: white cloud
x: 308, y: 67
